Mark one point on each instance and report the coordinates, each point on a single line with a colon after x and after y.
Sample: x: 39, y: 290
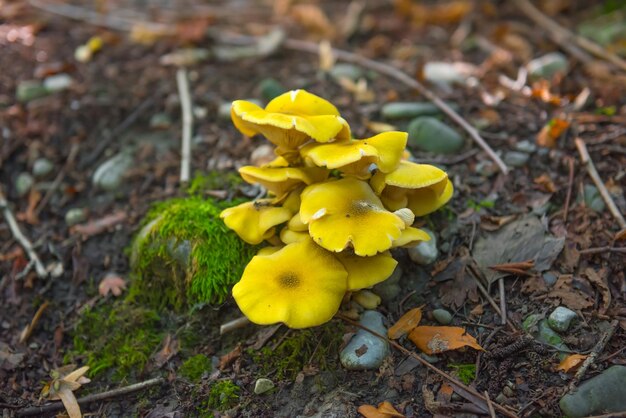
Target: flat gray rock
x: 366, y: 351
x: 601, y: 394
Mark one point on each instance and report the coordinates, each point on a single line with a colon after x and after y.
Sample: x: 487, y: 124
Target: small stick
x: 233, y: 325
x: 57, y: 406
x: 502, y: 301
x: 492, y: 412
x: 400, y: 76
x: 58, y: 179
x: 597, y: 349
x: 28, y: 330
x: 593, y: 173
x: 606, y: 249
x: 443, y: 374
x: 185, y: 104
x: 17, y: 234
x: 487, y: 296
x: 565, y: 37
x: 570, y: 184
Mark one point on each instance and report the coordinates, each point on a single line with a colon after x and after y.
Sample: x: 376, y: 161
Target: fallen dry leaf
x: 436, y: 14
x: 460, y: 285
x: 570, y: 292
x: 28, y: 330
x: 551, y: 132
x: 545, y: 182
x: 598, y: 279
x: 228, y: 358
x: 571, y: 362
x: 111, y: 283
x: 99, y: 225
x: 435, y: 340
x: 384, y: 410
x: 405, y: 324
x: 65, y: 380
x: 169, y: 350
x: 313, y: 19
x: 30, y: 214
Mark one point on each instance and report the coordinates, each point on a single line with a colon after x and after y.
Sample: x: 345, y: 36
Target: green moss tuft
x: 117, y: 336
x: 223, y: 395
x: 318, y: 346
x: 214, y: 180
x: 194, y: 367
x: 465, y: 372
x: 185, y: 255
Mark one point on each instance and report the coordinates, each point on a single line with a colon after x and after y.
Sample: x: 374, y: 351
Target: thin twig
x: 233, y: 325
x: 58, y: 179
x: 400, y: 76
x: 492, y: 412
x: 597, y: 349
x: 57, y: 406
x: 606, y: 249
x: 19, y: 236
x: 475, y: 274
x: 570, y: 184
x: 443, y: 374
x: 502, y: 301
x: 565, y: 37
x: 593, y: 173
x: 185, y: 104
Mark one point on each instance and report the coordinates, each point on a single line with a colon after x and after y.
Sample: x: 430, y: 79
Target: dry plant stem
x: 565, y: 37
x: 607, y: 249
x: 492, y: 412
x: 185, y: 104
x: 57, y: 406
x: 487, y: 296
x: 26, y: 333
x: 233, y: 325
x: 597, y: 349
x: 24, y: 242
x: 400, y: 76
x: 570, y: 185
x: 593, y: 173
x: 443, y: 374
x: 502, y: 301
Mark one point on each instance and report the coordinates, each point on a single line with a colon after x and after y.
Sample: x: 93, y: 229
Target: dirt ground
x: 109, y: 107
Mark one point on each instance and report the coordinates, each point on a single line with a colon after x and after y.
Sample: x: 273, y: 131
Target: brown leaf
x: 551, y: 132
x: 169, y: 350
x: 621, y: 235
x: 28, y: 330
x: 493, y: 223
x: 99, y: 225
x: 450, y: 12
x: 69, y: 401
x: 30, y: 215
x: 405, y: 324
x: 385, y: 410
x: 111, y: 283
x: 545, y: 182
x: 599, y: 281
x: 435, y: 340
x: 313, y: 19
x: 571, y: 362
x: 460, y: 285
x: 568, y: 290
x: 228, y: 358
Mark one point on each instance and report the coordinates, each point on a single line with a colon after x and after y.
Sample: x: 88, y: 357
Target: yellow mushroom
x: 281, y: 180
x: 410, y: 237
x: 364, y: 272
x: 255, y: 221
x: 427, y: 200
x: 288, y: 236
x: 394, y: 187
x: 291, y: 120
x: 346, y: 212
x: 296, y: 224
x: 301, y: 285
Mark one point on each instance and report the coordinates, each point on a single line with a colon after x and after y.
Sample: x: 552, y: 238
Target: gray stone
x: 160, y: 121
x: 349, y: 71
x: 561, y: 318
x: 425, y: 252
x: 549, y: 278
x: 516, y: 158
x: 526, y: 146
x: 407, y: 110
x: 109, y: 175
x: 263, y: 385
x: 271, y: 88
x: 547, y: 335
x: 389, y: 289
x: 601, y: 394
x: 23, y: 183
x: 57, y: 82
x: 593, y: 199
x: 42, y: 167
x: 443, y: 72
x: 366, y: 351
x: 75, y: 216
x: 30, y: 90
x: 548, y: 65
x: 442, y: 316
x: 430, y: 134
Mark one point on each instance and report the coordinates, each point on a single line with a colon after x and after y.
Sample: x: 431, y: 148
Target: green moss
x: 118, y: 336
x: 194, y: 367
x: 186, y: 256
x: 223, y: 395
x: 213, y: 181
x: 465, y: 372
x: 316, y: 346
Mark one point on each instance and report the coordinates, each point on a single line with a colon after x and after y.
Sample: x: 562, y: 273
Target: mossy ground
x: 194, y: 367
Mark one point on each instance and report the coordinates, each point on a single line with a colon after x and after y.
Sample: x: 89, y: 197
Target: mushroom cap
x: 289, y: 236
x: 291, y: 120
x: 255, y: 221
x: 351, y: 157
x: 410, y: 237
x: 427, y: 200
x: 365, y: 272
x: 390, y: 146
x: 301, y: 285
x: 409, y: 175
x: 347, y: 212
x: 296, y: 224
x: 282, y: 180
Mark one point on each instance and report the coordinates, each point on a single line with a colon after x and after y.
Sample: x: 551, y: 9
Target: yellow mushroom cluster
x: 335, y: 207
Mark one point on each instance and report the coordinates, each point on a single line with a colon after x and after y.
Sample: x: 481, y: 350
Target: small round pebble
x: 42, y: 167
x: 263, y: 385
x: 442, y: 316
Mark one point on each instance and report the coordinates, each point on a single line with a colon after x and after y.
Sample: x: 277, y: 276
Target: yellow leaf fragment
x: 384, y: 410
x: 571, y: 362
x: 435, y: 340
x: 405, y: 324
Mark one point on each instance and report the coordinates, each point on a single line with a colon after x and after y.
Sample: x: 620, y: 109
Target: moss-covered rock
x: 185, y: 256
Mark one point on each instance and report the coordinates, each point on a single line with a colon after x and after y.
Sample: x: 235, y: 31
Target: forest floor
x: 124, y: 100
